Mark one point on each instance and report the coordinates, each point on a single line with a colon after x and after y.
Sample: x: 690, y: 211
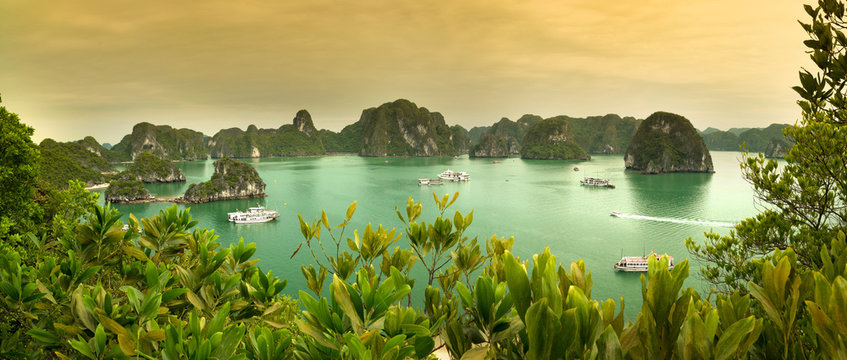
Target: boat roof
x: 643, y: 258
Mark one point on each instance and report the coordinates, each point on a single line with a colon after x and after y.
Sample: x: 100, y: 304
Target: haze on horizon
x: 81, y: 67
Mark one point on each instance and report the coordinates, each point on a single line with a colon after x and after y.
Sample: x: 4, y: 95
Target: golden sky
x: 75, y: 68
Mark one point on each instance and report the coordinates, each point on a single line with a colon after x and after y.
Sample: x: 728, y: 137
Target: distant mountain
x: 297, y: 139
x: 107, y: 146
x: 162, y: 141
x: 708, y: 131
x: 476, y: 132
x: 551, y: 139
x: 461, y: 140
x: 608, y: 134
x: 505, y: 131
x: 754, y: 139
x: 401, y: 128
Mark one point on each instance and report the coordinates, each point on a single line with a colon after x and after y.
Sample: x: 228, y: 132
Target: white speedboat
x: 615, y: 213
x: 256, y: 214
x: 639, y: 263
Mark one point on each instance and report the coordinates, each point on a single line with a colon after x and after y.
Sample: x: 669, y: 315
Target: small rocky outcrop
x: 232, y: 179
x: 551, y: 139
x: 777, y: 148
x: 666, y: 143
x: 493, y: 146
x: 149, y: 168
x: 127, y: 190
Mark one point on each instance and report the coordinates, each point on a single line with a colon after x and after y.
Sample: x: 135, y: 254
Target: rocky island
x: 551, y: 139
x: 666, y: 143
x: 149, y: 168
x: 232, y: 179
x: 401, y: 128
x: 126, y: 190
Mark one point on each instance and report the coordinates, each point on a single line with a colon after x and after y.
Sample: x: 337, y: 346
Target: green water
x: 540, y: 203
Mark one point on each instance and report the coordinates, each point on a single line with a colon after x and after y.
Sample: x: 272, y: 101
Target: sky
x: 73, y: 68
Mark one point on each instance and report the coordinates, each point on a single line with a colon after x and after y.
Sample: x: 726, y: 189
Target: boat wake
x: 672, y: 220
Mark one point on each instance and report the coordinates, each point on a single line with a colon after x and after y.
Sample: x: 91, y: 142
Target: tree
x: 807, y: 198
x: 19, y: 159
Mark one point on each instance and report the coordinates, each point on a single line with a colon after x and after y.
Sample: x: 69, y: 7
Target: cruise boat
x: 639, y: 263
x: 451, y: 175
x: 430, y: 182
x: 596, y: 182
x: 256, y: 214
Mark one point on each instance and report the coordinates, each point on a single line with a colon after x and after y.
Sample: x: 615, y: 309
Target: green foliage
x: 19, y: 166
x: 62, y: 162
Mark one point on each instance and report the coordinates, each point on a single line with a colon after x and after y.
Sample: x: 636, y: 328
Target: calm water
x: 540, y: 203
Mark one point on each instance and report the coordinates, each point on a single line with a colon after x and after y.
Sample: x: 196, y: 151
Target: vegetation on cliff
x: 348, y: 140
x: 666, y: 143
x: 232, y: 179
x: 124, y: 189
x: 461, y: 140
x: 551, y: 139
x: 401, y: 128
x: 609, y: 134
x: 163, y: 141
x: 297, y: 139
x: 149, y: 168
x: 61, y: 162
x: 752, y: 139
x: 493, y: 146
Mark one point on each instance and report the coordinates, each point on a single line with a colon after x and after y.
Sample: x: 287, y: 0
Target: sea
x: 538, y: 202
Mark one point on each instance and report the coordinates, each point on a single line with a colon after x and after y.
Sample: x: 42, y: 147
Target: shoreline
x: 97, y: 186
x: 178, y: 199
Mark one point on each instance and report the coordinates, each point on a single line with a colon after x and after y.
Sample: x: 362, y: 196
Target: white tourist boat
x: 596, y: 182
x: 639, y: 263
x: 430, y: 182
x: 256, y: 214
x: 451, y: 175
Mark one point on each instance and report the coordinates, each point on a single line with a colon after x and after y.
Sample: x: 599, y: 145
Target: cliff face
x: 510, y: 132
x: 163, y: 141
x: 461, y: 140
x: 401, y: 128
x: 126, y: 190
x: 608, y: 134
x: 232, y: 179
x: 297, y: 139
x: 666, y: 143
x: 777, y: 148
x: 493, y: 146
x: 551, y: 139
x: 149, y: 168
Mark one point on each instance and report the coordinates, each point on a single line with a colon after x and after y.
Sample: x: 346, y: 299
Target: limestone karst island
x: 305, y: 180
